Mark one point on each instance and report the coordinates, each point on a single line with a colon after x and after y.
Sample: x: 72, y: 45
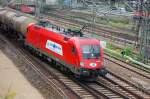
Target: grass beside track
x: 118, y: 56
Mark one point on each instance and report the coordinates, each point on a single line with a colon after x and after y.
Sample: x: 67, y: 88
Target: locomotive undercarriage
x: 94, y: 73
x: 47, y: 57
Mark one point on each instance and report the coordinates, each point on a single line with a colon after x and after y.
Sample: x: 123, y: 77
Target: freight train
x: 67, y: 48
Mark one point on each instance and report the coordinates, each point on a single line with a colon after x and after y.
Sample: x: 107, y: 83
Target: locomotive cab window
x: 90, y: 51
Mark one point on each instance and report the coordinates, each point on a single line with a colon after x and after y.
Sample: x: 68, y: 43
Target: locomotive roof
x: 75, y: 35
x: 52, y: 27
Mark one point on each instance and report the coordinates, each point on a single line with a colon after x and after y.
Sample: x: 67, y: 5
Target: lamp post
x: 37, y: 9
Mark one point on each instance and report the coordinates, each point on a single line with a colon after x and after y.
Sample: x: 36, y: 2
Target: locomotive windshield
x: 91, y: 51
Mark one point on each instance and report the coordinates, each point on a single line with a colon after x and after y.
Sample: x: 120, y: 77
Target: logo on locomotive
x: 55, y: 47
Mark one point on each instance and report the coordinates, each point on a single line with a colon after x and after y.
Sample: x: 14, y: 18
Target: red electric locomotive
x: 82, y: 56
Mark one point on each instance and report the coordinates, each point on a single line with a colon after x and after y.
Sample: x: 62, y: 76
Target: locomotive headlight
x: 82, y: 64
x: 93, y: 64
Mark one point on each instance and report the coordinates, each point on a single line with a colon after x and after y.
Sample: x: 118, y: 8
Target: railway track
x: 99, y: 90
x: 114, y: 87
x: 111, y: 87
x: 117, y: 35
x: 134, y: 73
x: 124, y: 86
x: 128, y: 66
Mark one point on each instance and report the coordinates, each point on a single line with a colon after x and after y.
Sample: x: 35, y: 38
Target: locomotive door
x: 72, y: 54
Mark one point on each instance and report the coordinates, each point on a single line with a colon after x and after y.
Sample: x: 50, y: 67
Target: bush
x: 128, y: 51
x: 10, y: 95
x: 110, y: 46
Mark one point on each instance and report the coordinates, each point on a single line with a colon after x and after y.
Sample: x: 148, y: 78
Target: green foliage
x: 128, y: 51
x: 10, y: 95
x: 114, y: 19
x: 113, y: 54
x: 116, y: 22
x: 110, y: 46
x: 118, y: 25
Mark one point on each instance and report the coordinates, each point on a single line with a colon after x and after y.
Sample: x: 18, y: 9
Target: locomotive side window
x: 91, y: 51
x: 41, y: 24
x: 44, y: 24
x: 52, y: 27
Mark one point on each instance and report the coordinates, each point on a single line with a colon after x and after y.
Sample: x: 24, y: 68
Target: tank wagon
x: 67, y: 48
x: 11, y: 19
